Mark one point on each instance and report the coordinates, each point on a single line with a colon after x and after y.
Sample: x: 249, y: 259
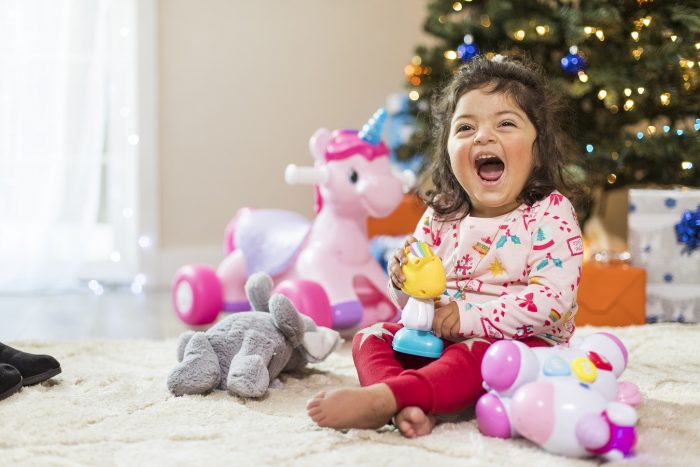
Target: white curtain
x: 56, y: 59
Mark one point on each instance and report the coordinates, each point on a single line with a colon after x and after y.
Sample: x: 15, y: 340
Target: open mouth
x: 489, y: 167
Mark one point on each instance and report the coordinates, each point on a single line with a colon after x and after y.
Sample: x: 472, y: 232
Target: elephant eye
x: 352, y: 176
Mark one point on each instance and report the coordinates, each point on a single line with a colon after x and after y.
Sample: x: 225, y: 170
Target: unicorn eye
x: 352, y: 176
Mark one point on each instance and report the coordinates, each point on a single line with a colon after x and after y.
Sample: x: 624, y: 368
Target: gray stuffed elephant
x: 246, y: 351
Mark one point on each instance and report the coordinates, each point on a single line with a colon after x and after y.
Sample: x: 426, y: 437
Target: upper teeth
x: 486, y: 156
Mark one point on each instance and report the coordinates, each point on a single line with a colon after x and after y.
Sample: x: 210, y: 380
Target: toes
x: 315, y: 401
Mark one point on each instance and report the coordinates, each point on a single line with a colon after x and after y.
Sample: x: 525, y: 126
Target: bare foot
x: 412, y: 422
x: 368, y: 407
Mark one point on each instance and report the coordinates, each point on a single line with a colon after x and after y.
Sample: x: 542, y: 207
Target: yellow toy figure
x: 425, y: 280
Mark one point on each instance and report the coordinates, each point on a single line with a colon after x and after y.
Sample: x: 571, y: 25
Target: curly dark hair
x: 525, y: 83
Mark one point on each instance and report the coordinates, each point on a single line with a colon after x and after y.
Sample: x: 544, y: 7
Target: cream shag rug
x: 110, y: 406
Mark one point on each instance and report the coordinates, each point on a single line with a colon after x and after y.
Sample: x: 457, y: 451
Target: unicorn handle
x: 295, y: 175
x: 408, y: 179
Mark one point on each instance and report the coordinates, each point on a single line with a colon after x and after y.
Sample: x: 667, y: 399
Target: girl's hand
x: 446, y: 322
x: 397, y: 260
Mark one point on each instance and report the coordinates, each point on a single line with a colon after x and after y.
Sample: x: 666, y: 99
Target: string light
x: 599, y: 34
x: 138, y: 283
x: 646, y: 21
x: 640, y: 90
x: 628, y: 92
x: 96, y: 287
x: 651, y: 129
x: 588, y: 30
x: 635, y: 36
x: 416, y: 60
x: 519, y: 35
x: 485, y: 21
x: 679, y: 132
x: 589, y: 148
x: 640, y: 135
x: 667, y: 128
x: 665, y: 98
x: 413, y: 95
x: 637, y: 53
x: 674, y: 37
x: 145, y: 242
x: 602, y: 94
x: 450, y: 54
x: 457, y: 6
x: 686, y: 165
x: 629, y: 104
x: 614, y: 109
x: 583, y: 76
x: 542, y: 30
x: 615, y: 156
x: 612, y: 178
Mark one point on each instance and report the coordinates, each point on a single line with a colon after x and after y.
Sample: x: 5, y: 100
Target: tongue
x: 491, y: 171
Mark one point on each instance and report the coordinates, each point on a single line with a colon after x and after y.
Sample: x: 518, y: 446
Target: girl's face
x: 491, y: 151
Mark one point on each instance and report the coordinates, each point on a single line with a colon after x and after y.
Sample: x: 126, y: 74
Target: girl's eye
x: 507, y: 123
x: 463, y: 127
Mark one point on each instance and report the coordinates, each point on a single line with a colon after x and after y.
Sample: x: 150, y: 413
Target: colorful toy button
x: 584, y: 369
x: 556, y: 366
x: 599, y: 361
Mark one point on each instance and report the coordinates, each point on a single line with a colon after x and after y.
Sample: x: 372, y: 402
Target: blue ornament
x: 466, y: 52
x: 573, y: 63
x: 688, y: 231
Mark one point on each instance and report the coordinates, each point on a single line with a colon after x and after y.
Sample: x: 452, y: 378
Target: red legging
x: 447, y: 384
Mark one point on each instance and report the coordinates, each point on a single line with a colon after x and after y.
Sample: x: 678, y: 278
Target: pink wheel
x: 309, y: 298
x: 196, y: 294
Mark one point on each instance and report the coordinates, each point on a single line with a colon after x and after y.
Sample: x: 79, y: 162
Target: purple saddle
x: 270, y: 238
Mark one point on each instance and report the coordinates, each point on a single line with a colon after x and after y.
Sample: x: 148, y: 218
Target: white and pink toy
x: 325, y: 267
x: 564, y: 398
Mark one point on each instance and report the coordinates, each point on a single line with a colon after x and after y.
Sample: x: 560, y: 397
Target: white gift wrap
x: 673, y: 277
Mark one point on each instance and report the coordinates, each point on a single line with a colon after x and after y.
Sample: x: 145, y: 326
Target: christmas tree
x: 629, y: 70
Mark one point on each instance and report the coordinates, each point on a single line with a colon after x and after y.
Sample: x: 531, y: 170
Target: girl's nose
x: 484, y: 136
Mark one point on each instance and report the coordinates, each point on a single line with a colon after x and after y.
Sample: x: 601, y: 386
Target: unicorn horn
x: 372, y: 131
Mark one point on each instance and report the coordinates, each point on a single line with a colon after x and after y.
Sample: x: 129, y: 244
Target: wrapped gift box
x: 611, y: 295
x: 402, y: 221
x: 673, y: 276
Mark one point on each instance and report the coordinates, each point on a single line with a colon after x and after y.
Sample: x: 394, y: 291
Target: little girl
x: 508, y: 239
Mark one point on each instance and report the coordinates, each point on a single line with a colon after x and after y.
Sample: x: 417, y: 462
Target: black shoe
x: 34, y: 368
x: 10, y: 380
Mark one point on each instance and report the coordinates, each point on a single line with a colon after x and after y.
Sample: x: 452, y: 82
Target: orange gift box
x: 611, y: 295
x: 402, y: 221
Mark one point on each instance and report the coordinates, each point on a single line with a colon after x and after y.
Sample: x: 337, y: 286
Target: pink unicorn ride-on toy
x: 325, y: 267
x: 565, y: 399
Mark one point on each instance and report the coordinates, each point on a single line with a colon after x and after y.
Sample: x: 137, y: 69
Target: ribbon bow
x: 688, y: 231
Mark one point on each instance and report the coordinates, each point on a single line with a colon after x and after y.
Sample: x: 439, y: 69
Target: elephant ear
x: 287, y: 319
x: 258, y: 289
x: 319, y: 344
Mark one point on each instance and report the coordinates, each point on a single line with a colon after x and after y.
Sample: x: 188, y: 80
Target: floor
x: 115, y: 314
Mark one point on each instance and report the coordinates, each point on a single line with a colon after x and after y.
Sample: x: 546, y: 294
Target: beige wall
x: 244, y: 84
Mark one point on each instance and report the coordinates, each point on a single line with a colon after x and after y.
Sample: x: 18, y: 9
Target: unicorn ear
x: 318, y: 143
